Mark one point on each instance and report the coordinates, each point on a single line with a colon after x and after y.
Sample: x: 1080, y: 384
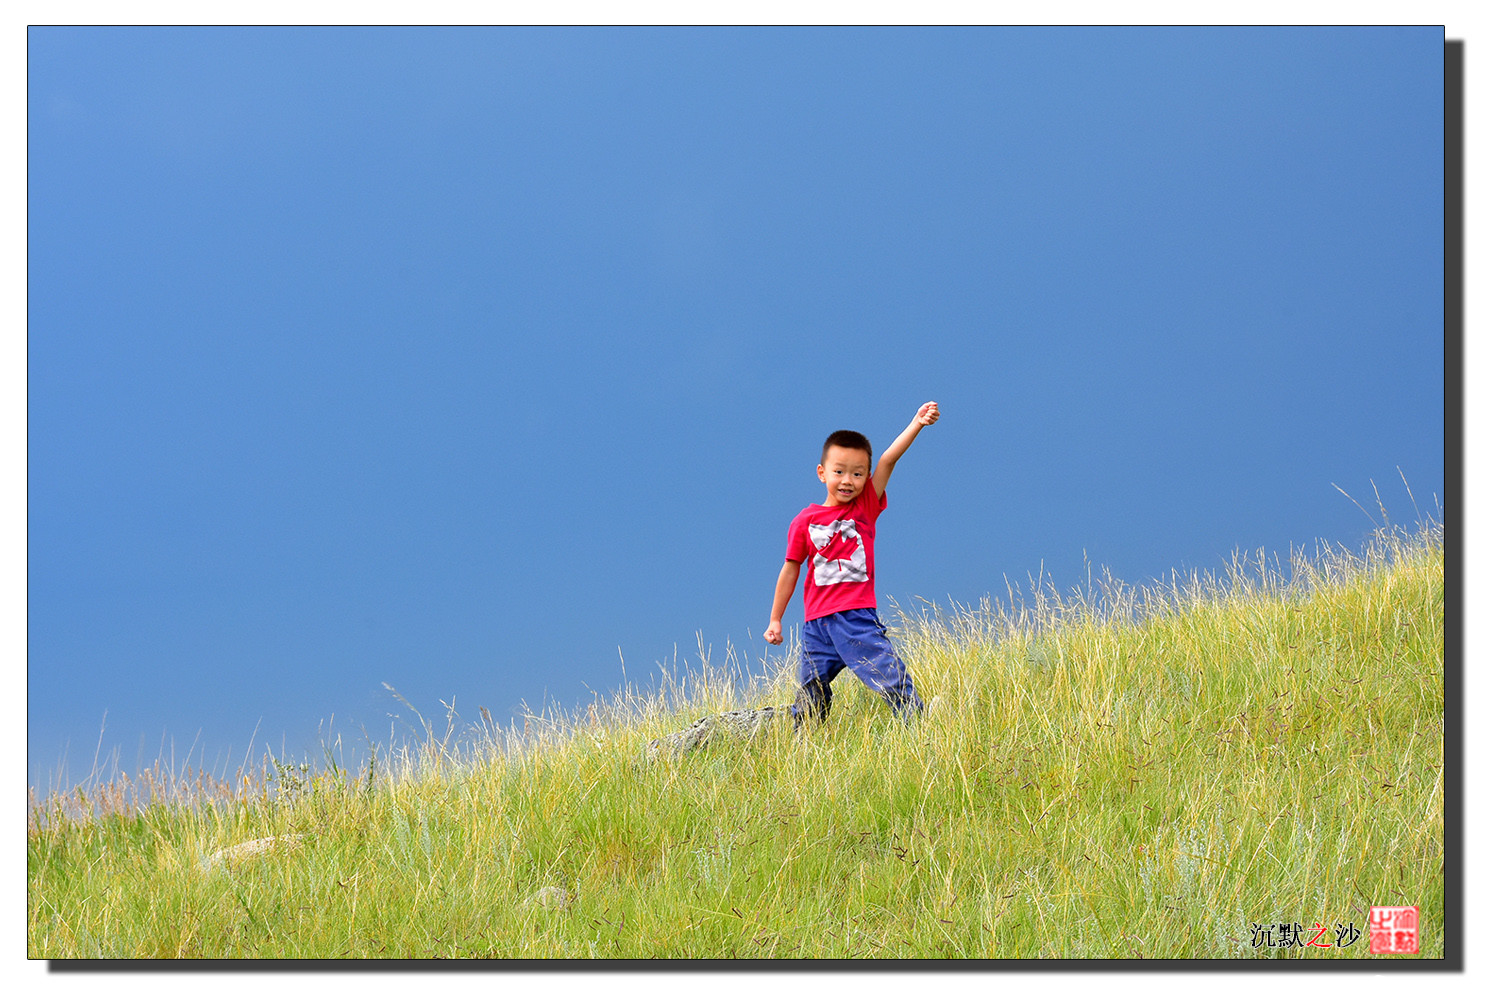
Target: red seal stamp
x: 1393, y: 930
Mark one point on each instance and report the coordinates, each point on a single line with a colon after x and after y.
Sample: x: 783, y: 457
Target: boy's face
x: 844, y: 471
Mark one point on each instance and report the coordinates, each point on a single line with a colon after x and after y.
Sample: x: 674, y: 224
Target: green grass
x: 1119, y: 773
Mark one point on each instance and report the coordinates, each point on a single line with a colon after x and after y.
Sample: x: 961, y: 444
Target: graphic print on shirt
x: 840, y: 555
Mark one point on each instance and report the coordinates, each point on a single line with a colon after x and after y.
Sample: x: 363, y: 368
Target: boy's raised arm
x: 927, y: 414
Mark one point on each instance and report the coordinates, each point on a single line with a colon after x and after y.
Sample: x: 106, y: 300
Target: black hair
x: 848, y: 439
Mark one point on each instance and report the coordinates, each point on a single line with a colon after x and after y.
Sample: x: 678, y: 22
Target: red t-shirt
x: 839, y: 544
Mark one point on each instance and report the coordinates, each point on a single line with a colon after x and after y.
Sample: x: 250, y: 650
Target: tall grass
x: 1119, y: 772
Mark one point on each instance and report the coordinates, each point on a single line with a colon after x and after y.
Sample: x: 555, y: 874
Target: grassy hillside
x: 1178, y: 771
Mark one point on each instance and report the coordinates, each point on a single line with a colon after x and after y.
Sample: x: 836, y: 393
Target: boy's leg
x: 819, y: 665
x: 862, y: 643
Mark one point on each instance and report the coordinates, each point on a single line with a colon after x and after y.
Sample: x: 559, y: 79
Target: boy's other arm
x: 786, y: 585
x: 927, y: 414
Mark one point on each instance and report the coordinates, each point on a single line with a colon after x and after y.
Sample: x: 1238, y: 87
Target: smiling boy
x: 837, y: 539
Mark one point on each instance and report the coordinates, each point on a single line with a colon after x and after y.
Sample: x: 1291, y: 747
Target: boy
x: 838, y: 538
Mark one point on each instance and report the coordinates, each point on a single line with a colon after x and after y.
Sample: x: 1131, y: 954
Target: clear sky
x: 474, y: 362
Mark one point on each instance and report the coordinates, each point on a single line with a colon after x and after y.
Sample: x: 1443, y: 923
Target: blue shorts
x: 854, y: 639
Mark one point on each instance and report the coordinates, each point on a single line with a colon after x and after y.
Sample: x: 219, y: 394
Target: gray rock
x: 246, y: 850
x: 738, y: 724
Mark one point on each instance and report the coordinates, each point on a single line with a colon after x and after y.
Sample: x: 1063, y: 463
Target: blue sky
x: 473, y: 362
